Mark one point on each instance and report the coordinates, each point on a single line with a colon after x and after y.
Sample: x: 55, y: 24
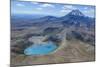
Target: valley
x: 73, y: 34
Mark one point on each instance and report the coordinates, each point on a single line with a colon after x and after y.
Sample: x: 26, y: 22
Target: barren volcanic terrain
x: 73, y: 34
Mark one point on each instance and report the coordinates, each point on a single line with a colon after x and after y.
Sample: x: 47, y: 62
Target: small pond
x: 41, y: 49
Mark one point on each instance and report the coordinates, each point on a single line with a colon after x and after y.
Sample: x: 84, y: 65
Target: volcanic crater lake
x: 41, y: 49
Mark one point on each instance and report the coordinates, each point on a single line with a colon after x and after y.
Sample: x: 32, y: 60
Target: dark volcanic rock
x: 20, y: 47
x: 85, y: 37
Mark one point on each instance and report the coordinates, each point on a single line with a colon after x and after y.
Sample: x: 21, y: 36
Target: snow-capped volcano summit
x: 76, y: 13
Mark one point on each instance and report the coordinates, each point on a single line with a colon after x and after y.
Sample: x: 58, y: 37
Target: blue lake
x: 40, y: 49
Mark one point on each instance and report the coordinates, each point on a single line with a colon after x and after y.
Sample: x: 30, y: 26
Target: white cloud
x: 39, y: 8
x: 47, y: 5
x: 67, y: 6
x: 89, y: 11
x: 86, y: 11
x: 85, y: 8
x: 70, y: 7
x: 35, y: 3
x: 20, y: 4
x: 64, y: 11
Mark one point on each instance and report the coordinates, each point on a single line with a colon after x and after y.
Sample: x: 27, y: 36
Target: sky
x: 52, y: 9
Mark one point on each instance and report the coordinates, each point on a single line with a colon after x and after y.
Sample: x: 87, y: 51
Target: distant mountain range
x: 77, y: 24
x: 73, y: 18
